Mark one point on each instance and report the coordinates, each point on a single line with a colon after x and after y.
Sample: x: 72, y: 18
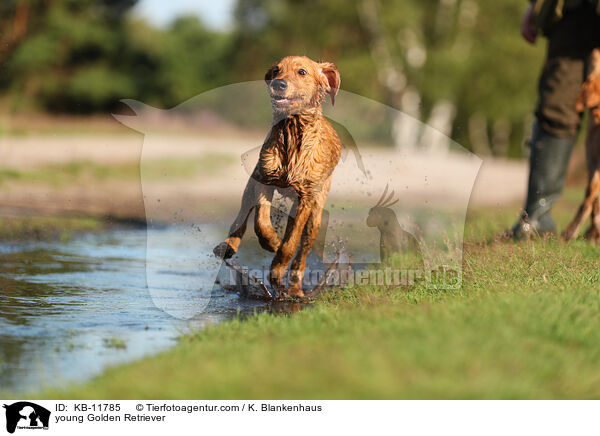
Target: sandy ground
x: 497, y: 182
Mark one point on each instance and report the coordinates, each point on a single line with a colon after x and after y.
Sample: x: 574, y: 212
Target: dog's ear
x: 271, y: 73
x: 332, y: 79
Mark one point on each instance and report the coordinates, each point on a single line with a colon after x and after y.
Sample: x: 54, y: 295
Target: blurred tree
x: 84, y: 55
x: 458, y: 65
x: 194, y: 60
x: 68, y: 56
x: 442, y: 61
x: 267, y: 30
x: 14, y: 20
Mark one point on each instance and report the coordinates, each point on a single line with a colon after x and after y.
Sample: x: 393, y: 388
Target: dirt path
x: 498, y: 182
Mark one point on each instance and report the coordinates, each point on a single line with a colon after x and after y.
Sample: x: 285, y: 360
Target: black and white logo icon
x: 26, y: 415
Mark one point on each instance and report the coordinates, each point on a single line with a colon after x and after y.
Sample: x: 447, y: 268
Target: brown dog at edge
x: 590, y: 99
x: 300, y: 152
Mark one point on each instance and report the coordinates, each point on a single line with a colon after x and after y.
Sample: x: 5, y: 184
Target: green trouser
x: 570, y: 42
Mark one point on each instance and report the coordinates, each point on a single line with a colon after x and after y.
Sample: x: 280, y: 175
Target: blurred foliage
x: 469, y: 52
x: 82, y: 56
x: 67, y: 58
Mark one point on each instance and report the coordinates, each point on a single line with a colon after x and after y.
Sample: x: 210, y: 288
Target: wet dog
x: 300, y: 152
x: 589, y: 98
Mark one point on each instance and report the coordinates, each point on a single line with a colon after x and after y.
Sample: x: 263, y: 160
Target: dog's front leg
x: 290, y: 242
x: 298, y: 266
x: 309, y: 235
x: 267, y: 236
x: 592, y: 192
x: 593, y: 232
x: 230, y: 246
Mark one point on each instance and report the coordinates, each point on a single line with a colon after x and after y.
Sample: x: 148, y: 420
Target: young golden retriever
x: 300, y: 152
x: 590, y: 99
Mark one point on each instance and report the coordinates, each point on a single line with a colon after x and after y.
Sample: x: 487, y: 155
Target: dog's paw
x: 593, y: 234
x: 223, y: 250
x: 568, y: 234
x: 295, y: 291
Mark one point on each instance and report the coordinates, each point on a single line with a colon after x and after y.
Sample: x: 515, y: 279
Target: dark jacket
x: 550, y: 12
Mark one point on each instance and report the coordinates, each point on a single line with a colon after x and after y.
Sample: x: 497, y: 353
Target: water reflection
x: 62, y: 303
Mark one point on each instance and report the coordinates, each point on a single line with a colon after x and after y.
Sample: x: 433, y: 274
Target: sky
x: 216, y: 14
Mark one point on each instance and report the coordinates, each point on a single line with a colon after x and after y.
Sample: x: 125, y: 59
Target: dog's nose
x: 279, y: 85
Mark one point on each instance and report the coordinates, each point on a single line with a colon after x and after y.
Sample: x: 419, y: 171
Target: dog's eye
x: 302, y: 72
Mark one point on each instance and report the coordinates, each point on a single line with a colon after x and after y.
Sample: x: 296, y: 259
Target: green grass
x: 62, y: 175
x: 24, y: 228
x: 115, y: 342
x: 526, y: 324
x: 207, y: 164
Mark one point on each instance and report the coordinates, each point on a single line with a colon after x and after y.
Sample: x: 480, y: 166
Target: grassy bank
x: 43, y: 228
x: 525, y: 324
x: 82, y: 171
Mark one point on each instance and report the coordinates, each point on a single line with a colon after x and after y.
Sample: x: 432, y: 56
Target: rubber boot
x: 548, y: 163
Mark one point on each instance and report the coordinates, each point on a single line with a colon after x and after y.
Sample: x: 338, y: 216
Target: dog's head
x: 589, y: 98
x: 298, y: 84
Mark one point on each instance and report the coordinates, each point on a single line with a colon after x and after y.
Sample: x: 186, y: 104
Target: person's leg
x: 557, y: 124
x: 548, y: 163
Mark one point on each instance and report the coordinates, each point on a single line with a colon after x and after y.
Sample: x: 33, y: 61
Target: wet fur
x: 590, y: 99
x: 300, y: 152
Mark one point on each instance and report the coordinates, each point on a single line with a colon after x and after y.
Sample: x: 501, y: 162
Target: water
x: 62, y: 304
